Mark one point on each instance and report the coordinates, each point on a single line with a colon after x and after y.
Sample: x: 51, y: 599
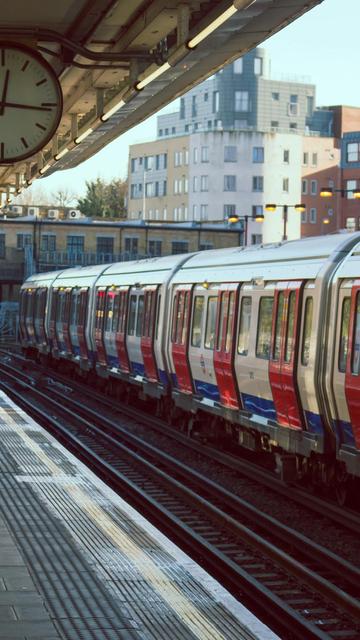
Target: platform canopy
x: 120, y: 61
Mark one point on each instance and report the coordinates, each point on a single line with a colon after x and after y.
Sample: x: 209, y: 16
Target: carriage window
x: 210, y: 322
x: 230, y: 322
x: 109, y: 314
x: 290, y: 339
x: 305, y: 351
x: 197, y: 321
x: 175, y: 316
x: 279, y: 317
x: 178, y: 317
x: 75, y: 306
x: 132, y: 316
x: 100, y: 303
x: 244, y: 331
x: 158, y: 316
x: 264, y: 328
x: 83, y: 306
x: 222, y: 314
x: 355, y: 364
x: 185, y: 319
x: 140, y: 316
x: 115, y: 317
x: 122, y: 312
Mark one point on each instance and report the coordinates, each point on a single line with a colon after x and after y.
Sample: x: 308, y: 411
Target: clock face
x: 30, y: 102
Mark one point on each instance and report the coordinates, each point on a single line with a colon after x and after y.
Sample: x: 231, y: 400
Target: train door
x: 179, y: 337
x: 110, y: 324
x: 202, y: 342
x: 39, y: 316
x: 284, y: 349
x: 134, y: 331
x: 120, y: 335
x: 22, y: 311
x: 148, y: 333
x: 73, y: 321
x: 52, y: 324
x: 352, y: 375
x: 224, y: 346
x: 66, y: 321
x: 344, y: 429
x: 99, y: 325
x: 62, y: 320
x: 29, y: 315
x: 81, y: 323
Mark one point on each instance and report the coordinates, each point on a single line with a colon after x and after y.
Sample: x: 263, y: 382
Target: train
x: 254, y: 347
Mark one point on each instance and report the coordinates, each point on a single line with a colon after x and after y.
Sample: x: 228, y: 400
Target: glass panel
x: 305, y: 351
x: 279, y: 317
x: 244, y: 331
x: 264, y: 328
x: 185, y: 320
x: 75, y: 306
x: 179, y: 318
x: 290, y: 338
x: 197, y: 321
x: 210, y: 323
x: 175, y: 317
x: 223, y: 305
x: 140, y: 316
x: 132, y: 315
x: 115, y: 318
x: 230, y: 322
x: 109, y: 310
x: 355, y: 365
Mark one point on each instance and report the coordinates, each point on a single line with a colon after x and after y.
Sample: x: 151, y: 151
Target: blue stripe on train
x: 314, y: 423
x: 113, y: 361
x: 344, y: 432
x: 137, y: 368
x: 163, y: 377
x: 260, y: 406
x: 207, y: 390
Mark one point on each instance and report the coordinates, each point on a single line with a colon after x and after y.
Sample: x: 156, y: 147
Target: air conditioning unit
x: 33, y: 211
x: 53, y: 214
x: 74, y: 214
x: 15, y: 208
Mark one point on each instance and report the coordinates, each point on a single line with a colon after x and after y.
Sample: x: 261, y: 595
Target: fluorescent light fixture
x: 211, y: 27
x: 155, y: 74
x: 61, y: 153
x: 105, y: 116
x: 84, y: 135
x: 44, y: 169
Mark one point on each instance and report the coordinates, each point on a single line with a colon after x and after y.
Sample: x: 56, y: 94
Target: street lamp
x: 234, y: 218
x: 298, y: 207
x: 327, y: 192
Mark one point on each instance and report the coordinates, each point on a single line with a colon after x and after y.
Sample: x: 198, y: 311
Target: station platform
x: 79, y: 563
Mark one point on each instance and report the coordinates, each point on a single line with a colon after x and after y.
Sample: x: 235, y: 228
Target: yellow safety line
x: 188, y: 613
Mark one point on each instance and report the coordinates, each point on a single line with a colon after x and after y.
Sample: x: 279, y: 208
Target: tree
x: 104, y: 199
x: 63, y: 197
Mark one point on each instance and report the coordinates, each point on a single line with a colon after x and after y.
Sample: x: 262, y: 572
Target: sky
x: 321, y: 47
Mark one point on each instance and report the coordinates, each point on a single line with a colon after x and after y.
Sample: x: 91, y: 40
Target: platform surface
x: 78, y: 563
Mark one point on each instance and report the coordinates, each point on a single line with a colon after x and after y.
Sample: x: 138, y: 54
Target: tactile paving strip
x: 102, y: 574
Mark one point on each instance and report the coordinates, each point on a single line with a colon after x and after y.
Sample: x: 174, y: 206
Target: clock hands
x: 15, y: 105
x: 3, y: 97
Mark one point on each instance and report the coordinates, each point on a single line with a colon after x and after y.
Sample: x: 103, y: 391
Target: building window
x: 195, y: 155
x: 304, y: 187
x: 178, y: 158
x: 258, y: 66
x: 314, y: 159
x: 285, y: 185
x: 258, y: 154
x: 286, y: 156
x: 48, y: 242
x: 230, y: 154
x: 23, y: 240
x: 238, y: 65
x: 304, y: 217
x: 133, y: 164
x: 195, y: 212
x: 186, y: 185
x: 204, y: 183
x: 196, y: 126
x: 313, y: 187
x: 164, y: 187
x: 157, y: 161
x: 166, y: 132
x: 293, y: 106
x: 187, y: 127
x: 173, y: 130
x: 149, y: 189
x: 203, y: 212
x: 293, y: 125
x: 275, y: 96
x: 195, y: 184
x: 229, y: 183
x: 353, y: 152
x: 165, y: 160
x: 105, y: 245
x: 209, y: 124
x: 148, y: 162
x: 182, y: 108
x: 241, y: 101
x: 156, y: 193
x: 350, y: 186
x: 204, y: 154
x: 186, y: 156
x: 313, y: 215
x: 257, y: 210
x: 274, y: 124
x: 206, y: 246
x: 305, y: 159
x: 258, y: 183
x: 160, y: 133
x: 256, y: 238
x: 309, y: 105
x: 131, y: 245
x: 179, y: 246
x: 75, y: 244
x: 215, y: 101
x: 154, y: 248
x: 2, y: 245
x: 193, y: 107
x: 229, y: 210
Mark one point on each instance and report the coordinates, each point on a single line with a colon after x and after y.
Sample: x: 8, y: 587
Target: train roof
x: 149, y: 271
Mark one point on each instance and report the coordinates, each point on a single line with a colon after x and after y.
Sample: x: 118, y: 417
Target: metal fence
x: 9, y: 321
x: 49, y: 260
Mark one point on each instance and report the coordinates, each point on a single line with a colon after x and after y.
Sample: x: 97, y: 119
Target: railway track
x: 300, y: 588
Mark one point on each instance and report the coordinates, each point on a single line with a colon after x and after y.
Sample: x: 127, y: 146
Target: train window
x: 198, y: 312
x: 305, y: 349
x: 75, y: 307
x: 122, y: 312
x: 244, y: 330
x: 185, y: 319
x: 132, y: 316
x: 140, y: 316
x: 178, y: 318
x: 83, y: 307
x: 115, y: 317
x: 278, y: 322
x: 210, y: 322
x: 100, y: 304
x: 158, y: 316
x: 175, y: 316
x: 289, y: 339
x: 109, y: 313
x: 230, y: 321
x: 222, y: 316
x: 264, y: 328
x: 355, y: 363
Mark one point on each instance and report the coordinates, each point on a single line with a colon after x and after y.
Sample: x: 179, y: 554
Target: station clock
x: 30, y: 102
